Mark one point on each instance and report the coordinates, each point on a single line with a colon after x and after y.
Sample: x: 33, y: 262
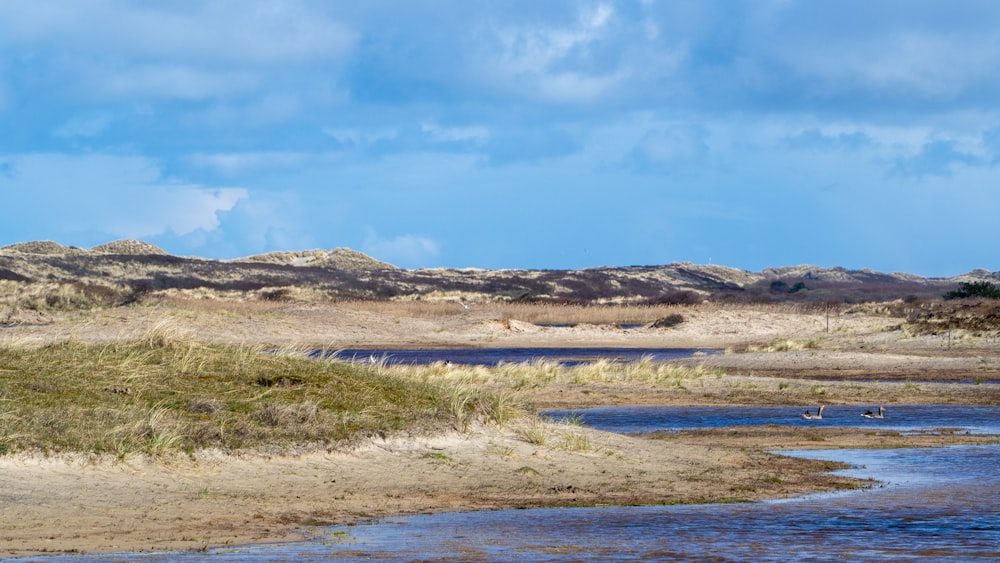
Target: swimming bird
x: 810, y: 416
x: 870, y: 414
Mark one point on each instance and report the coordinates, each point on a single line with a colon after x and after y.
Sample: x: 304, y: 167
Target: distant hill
x: 343, y: 273
x: 341, y: 258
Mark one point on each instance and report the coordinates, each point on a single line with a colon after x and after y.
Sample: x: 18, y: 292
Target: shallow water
x: 494, y: 356
x: 935, y: 504
x: 939, y: 504
x: 624, y: 420
x: 927, y: 509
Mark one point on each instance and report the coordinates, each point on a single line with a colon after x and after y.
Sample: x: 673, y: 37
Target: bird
x: 870, y: 414
x: 464, y: 306
x: 810, y: 416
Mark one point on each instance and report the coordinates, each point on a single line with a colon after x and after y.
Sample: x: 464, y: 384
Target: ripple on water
x: 935, y: 504
x: 974, y: 419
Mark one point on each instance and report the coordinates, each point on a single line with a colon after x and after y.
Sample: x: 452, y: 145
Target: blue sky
x: 509, y: 134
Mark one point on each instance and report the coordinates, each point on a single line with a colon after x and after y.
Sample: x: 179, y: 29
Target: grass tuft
x: 533, y: 432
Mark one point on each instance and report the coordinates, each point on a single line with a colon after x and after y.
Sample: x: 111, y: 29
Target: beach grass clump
x: 779, y: 345
x: 533, y: 431
x: 535, y: 374
x: 496, y: 407
x: 526, y: 375
x: 785, y: 345
x: 163, y: 393
x: 575, y: 442
x: 643, y: 371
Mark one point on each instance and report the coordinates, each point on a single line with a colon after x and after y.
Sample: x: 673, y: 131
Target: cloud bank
x: 549, y: 135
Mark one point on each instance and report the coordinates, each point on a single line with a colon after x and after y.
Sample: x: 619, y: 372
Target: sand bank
x: 81, y: 504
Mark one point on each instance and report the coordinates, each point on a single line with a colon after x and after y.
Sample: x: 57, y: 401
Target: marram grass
x: 529, y: 375
x: 157, y: 395
x: 163, y: 392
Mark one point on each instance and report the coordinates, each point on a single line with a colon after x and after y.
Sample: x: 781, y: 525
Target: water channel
x: 495, y: 356
x: 934, y: 504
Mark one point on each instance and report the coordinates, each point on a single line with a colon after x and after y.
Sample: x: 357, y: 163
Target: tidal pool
x: 933, y: 504
x: 936, y: 504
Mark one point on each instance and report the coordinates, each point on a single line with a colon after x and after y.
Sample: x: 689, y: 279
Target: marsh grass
x: 162, y: 393
x: 530, y: 375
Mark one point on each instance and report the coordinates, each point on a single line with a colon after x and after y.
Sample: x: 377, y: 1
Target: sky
x: 509, y: 134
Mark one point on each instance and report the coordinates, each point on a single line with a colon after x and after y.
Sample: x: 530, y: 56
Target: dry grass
x: 52, y: 296
x: 163, y: 393
x: 535, y: 313
x: 565, y: 435
x: 529, y: 375
x: 781, y: 345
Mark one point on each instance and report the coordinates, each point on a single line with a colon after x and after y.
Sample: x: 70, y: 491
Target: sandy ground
x: 82, y: 504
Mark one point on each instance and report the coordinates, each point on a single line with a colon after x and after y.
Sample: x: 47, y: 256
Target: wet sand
x: 82, y: 504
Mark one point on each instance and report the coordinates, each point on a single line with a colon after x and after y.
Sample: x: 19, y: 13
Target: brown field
x: 190, y: 432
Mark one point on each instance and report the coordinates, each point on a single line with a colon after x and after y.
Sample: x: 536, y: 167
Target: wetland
x: 204, y: 424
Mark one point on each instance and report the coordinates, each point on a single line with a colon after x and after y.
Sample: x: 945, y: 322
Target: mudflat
x: 79, y: 502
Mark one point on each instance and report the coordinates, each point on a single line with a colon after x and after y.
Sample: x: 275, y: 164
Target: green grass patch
x: 438, y: 457
x: 161, y: 394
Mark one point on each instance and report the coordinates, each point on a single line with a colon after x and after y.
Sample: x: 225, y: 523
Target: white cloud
x: 403, y: 250
x: 919, y: 64
x: 552, y: 62
x: 170, y: 81
x: 122, y: 196
x: 357, y: 138
x: 228, y: 31
x: 932, y: 52
x: 106, y: 49
x: 84, y: 126
x: 175, y: 209
x: 575, y: 86
x: 667, y: 147
x: 231, y: 164
x: 534, y: 50
x: 475, y: 134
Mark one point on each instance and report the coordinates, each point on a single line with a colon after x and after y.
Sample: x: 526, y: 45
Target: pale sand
x: 89, y: 505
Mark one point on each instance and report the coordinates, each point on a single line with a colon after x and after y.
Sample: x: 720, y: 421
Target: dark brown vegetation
x: 980, y: 317
x: 125, y: 271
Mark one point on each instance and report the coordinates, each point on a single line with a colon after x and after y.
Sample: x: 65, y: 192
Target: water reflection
x: 937, y: 504
x: 973, y: 419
